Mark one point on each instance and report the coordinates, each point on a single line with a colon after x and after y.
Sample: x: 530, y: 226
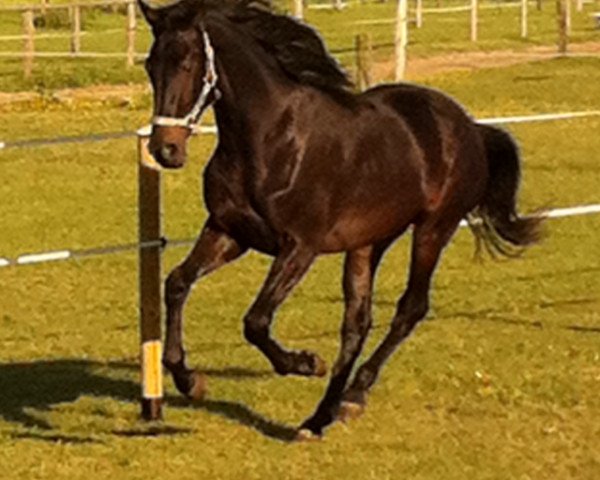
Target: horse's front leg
x: 290, y: 265
x: 213, y: 249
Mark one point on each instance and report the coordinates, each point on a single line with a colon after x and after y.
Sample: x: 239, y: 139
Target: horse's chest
x: 232, y: 206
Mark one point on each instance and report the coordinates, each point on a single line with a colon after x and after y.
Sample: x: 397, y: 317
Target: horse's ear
x: 153, y: 16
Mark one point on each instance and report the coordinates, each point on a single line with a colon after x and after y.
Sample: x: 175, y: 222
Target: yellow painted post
x: 149, y: 215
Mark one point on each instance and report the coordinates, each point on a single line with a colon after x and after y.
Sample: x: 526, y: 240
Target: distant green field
x: 500, y: 382
x: 104, y: 32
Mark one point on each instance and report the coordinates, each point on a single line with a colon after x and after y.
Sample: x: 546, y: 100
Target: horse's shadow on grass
x: 30, y: 388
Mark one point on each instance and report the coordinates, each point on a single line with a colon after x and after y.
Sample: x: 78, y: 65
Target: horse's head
x: 182, y: 71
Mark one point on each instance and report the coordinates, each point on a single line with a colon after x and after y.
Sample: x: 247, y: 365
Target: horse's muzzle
x: 168, y: 146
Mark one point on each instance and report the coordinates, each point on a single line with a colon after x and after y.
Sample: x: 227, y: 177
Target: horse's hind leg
x: 290, y: 265
x: 359, y: 271
x: 213, y: 249
x: 429, y: 239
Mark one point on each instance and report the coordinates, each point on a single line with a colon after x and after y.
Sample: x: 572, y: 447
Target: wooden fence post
x: 149, y: 215
x: 474, y: 19
x: 43, y: 8
x: 563, y: 38
x: 579, y: 5
x: 76, y: 35
x: 299, y: 9
x: 363, y: 61
x: 29, y: 47
x: 131, y: 27
x: 401, y: 38
x: 524, y: 18
x: 568, y: 16
x: 419, y: 14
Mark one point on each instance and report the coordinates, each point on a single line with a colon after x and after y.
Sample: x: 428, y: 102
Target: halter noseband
x: 209, y: 85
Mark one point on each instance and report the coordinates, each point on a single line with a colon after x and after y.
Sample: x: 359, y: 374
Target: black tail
x: 495, y: 222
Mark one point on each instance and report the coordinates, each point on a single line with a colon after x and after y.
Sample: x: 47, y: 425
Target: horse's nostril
x: 168, y: 151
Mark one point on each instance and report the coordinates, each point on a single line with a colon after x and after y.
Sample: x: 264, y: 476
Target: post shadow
x: 40, y: 385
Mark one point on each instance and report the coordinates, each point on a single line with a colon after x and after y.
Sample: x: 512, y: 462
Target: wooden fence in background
x: 29, y: 35
x: 362, y: 47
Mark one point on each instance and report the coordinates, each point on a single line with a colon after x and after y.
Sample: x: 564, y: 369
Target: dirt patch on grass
x: 96, y: 93
x: 418, y: 68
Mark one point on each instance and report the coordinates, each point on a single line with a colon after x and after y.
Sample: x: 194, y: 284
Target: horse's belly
x: 358, y: 227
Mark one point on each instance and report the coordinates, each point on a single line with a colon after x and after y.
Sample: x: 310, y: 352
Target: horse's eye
x: 186, y: 65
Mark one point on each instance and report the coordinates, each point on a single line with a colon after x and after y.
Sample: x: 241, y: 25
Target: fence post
x: 563, y: 37
x: 43, y: 8
x: 131, y: 27
x: 29, y: 47
x: 149, y: 215
x: 299, y: 9
x: 524, y: 18
x: 401, y: 38
x: 363, y: 61
x: 474, y: 20
x: 568, y: 15
x: 76, y: 35
x: 579, y: 5
x: 419, y: 14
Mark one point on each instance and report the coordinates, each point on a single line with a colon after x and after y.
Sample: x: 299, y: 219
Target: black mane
x: 297, y: 48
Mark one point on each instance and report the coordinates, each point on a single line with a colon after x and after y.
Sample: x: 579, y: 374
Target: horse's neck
x: 252, y: 93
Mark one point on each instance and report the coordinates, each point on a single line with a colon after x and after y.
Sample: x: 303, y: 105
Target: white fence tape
x: 540, y: 118
x: 146, y: 130
x: 43, y: 257
x: 561, y: 212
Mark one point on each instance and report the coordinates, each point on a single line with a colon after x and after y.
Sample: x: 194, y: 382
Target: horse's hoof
x: 197, y: 389
x: 304, y: 363
x: 350, y: 411
x: 306, y: 435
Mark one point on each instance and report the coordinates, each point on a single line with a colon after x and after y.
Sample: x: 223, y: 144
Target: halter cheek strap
x: 209, y: 84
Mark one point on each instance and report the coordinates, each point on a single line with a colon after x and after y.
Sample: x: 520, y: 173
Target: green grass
x: 500, y: 382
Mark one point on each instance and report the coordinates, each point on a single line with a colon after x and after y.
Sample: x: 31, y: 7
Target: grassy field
x: 104, y: 32
x: 500, y: 382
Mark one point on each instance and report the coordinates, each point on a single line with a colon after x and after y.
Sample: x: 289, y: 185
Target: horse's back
x: 448, y: 140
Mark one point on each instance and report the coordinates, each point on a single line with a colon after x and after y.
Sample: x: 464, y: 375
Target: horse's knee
x: 176, y: 286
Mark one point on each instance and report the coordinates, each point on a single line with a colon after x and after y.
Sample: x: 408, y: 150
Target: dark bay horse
x: 304, y: 167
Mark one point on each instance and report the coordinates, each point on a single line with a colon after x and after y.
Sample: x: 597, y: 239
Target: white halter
x: 209, y: 85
